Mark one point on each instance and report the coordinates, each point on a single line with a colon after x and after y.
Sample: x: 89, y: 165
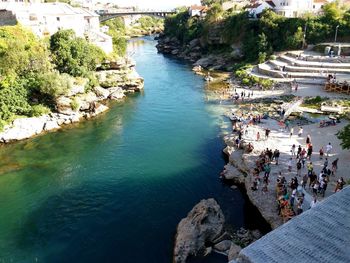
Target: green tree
x: 344, y: 136
x: 215, y: 13
x: 21, y: 53
x: 117, y: 30
x: 211, y: 2
x: 74, y: 55
x: 333, y: 12
x: 295, y: 41
x: 14, y: 100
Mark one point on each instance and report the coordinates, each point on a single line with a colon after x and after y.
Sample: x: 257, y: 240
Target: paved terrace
x: 321, y: 234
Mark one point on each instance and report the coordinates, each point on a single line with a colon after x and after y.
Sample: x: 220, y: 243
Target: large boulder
x: 64, y: 105
x: 203, y: 224
x: 234, y: 174
x: 23, y: 128
x: 51, y: 125
x: 85, y: 101
x: 193, y: 43
x: 98, y: 108
x: 223, y: 246
x: 205, y: 62
x: 78, y: 87
x: 101, y: 93
x: 233, y: 252
x: 116, y: 93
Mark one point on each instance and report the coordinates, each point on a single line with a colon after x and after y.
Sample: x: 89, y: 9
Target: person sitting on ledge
x: 255, y: 185
x: 249, y: 148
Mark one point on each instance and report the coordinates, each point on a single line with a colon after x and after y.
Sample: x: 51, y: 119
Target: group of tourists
x: 291, y: 202
x: 242, y: 96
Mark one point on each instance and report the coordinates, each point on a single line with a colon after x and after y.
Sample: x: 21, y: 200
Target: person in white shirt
x: 314, y: 202
x: 329, y: 148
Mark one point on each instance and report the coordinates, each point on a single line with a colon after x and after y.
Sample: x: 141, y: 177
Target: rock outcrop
x: 194, y: 51
x: 203, y: 224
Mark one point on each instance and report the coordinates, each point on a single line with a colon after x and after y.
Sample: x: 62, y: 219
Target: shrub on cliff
x: 22, y: 58
x: 54, y: 84
x: 117, y: 30
x: 344, y: 136
x: 21, y: 53
x: 39, y: 109
x: 74, y: 55
x: 14, y: 100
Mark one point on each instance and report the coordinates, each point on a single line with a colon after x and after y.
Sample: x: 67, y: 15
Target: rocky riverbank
x: 80, y: 103
x: 196, y: 53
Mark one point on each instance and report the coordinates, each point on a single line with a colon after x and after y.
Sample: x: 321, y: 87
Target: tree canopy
x: 29, y: 81
x: 74, y: 55
x: 280, y: 33
x: 344, y: 136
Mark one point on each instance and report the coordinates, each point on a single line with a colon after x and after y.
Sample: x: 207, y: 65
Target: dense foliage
x: 259, y: 37
x: 117, y: 30
x: 32, y: 75
x: 147, y: 22
x: 344, y: 136
x: 22, y: 59
x: 73, y: 55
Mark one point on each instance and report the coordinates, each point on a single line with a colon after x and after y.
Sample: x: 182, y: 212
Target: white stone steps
x: 266, y: 69
x: 310, y: 69
x: 303, y: 63
x: 305, y: 81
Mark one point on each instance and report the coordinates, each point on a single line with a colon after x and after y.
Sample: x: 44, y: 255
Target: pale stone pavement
x: 279, y: 139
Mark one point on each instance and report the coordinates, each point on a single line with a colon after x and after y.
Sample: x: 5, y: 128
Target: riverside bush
x: 249, y: 80
x: 74, y: 55
x: 38, y: 110
x: 27, y: 74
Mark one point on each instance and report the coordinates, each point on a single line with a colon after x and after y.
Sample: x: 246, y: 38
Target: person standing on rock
x: 276, y: 155
x: 292, y: 198
x: 299, y: 152
x: 304, y: 181
x: 258, y: 136
x: 309, y: 152
x: 329, y: 148
x: 286, y: 124
x: 293, y: 150
x: 300, y: 204
x: 267, y: 132
x: 325, y: 164
x: 310, y: 167
x: 321, y: 153
x: 289, y: 165
x: 267, y: 169
x: 308, y: 140
x: 291, y: 132
x: 299, y: 168
x: 314, y: 202
x: 335, y: 166
x: 300, y: 132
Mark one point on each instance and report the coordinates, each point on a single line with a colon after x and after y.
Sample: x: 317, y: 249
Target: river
x: 114, y: 188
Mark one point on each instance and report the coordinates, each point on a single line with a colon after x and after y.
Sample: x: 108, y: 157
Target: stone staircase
x: 312, y: 70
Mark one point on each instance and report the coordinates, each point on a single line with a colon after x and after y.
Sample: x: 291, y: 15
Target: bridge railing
x: 106, y: 12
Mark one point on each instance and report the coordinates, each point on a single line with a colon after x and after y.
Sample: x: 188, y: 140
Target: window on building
x: 57, y: 18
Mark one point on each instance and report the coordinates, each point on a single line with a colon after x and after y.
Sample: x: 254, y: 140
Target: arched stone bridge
x: 105, y: 15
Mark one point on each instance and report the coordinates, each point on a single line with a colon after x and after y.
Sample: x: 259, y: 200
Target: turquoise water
x: 114, y: 188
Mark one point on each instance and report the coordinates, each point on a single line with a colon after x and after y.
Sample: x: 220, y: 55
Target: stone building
x: 45, y: 19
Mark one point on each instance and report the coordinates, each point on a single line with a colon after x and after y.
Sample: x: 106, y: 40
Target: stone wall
x: 7, y: 18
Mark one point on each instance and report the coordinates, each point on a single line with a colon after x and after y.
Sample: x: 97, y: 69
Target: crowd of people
x: 290, y: 195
